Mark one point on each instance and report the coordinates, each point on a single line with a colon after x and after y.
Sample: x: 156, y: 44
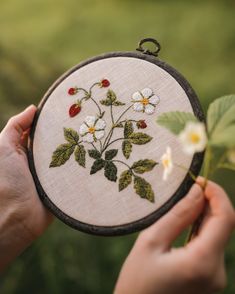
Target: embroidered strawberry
x: 141, y: 124
x: 104, y: 83
x: 75, y: 109
x: 72, y: 91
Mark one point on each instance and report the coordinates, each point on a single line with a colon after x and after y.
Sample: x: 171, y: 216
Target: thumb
x: 18, y: 124
x: 166, y: 230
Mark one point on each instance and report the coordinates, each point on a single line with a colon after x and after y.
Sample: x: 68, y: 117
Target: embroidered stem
x: 112, y: 143
x: 110, y: 133
x: 94, y: 146
x: 120, y: 161
x: 100, y: 112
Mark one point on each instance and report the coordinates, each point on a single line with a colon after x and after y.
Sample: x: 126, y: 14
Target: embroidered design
x: 92, y: 132
x: 145, y: 101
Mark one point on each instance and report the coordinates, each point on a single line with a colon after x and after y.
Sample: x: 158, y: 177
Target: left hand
x: 22, y: 215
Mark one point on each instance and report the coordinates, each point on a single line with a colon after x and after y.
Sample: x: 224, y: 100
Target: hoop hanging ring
x: 147, y: 51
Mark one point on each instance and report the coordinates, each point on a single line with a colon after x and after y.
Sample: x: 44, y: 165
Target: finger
x: 24, y: 138
x: 18, y: 124
x: 219, y: 220
x: 166, y: 230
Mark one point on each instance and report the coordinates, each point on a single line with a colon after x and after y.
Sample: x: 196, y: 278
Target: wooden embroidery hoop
x: 139, y: 224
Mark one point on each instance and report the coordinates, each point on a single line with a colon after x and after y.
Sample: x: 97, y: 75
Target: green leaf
x: 110, y: 171
x: 110, y: 154
x: 119, y: 125
x: 118, y: 103
x: 128, y: 129
x: 228, y: 165
x: 143, y: 189
x: 175, y: 121
x: 125, y: 179
x: 224, y: 139
x: 97, y: 165
x: 105, y: 102
x: 80, y: 155
x: 140, y: 138
x: 143, y: 166
x: 126, y: 148
x: 220, y: 113
x: 111, y: 96
x: 71, y: 135
x: 62, y: 154
x: 93, y: 153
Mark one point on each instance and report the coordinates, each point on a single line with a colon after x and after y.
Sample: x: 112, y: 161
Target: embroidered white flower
x: 145, y: 101
x: 193, y: 137
x: 92, y: 129
x: 167, y: 163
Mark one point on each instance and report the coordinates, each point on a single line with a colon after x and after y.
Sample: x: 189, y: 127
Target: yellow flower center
x: 195, y: 138
x: 145, y: 101
x: 166, y: 162
x: 91, y: 130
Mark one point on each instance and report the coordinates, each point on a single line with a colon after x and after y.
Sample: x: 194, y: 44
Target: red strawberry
x: 72, y: 91
x: 104, y: 83
x: 74, y: 109
x: 141, y: 124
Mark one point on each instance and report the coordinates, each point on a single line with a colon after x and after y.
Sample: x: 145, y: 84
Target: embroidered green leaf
x: 175, y: 121
x: 62, y: 154
x: 125, y: 179
x: 118, y: 103
x: 93, y: 153
x: 105, y: 102
x: 224, y: 139
x: 119, y: 125
x: 221, y: 113
x: 110, y: 154
x: 126, y: 148
x: 142, y: 166
x: 143, y: 189
x: 71, y: 135
x: 110, y: 171
x: 80, y: 155
x: 111, y: 96
x: 97, y: 165
x: 140, y: 138
x: 128, y: 129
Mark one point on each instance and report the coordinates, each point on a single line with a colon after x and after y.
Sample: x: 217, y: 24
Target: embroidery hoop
x: 183, y: 188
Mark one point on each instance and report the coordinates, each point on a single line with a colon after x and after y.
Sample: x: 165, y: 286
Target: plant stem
x: 94, y: 146
x: 116, y: 160
x: 110, y: 133
x: 100, y: 112
x: 107, y: 145
x: 206, y: 172
x: 189, y: 171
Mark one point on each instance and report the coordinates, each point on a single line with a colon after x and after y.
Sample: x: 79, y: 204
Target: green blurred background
x: 39, y: 40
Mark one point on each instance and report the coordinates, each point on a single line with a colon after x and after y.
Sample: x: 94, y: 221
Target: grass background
x: 39, y: 40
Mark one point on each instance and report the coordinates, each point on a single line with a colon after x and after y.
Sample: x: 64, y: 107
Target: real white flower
x: 92, y: 129
x: 145, y: 101
x: 193, y: 137
x: 167, y: 163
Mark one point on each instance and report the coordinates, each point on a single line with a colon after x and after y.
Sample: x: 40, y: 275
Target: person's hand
x: 153, y: 267
x: 22, y: 215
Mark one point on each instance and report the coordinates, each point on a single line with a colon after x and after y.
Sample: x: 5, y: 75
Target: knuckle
x: 147, y: 240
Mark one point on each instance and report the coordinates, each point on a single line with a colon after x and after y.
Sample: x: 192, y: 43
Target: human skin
x: 154, y: 267
x: 23, y: 218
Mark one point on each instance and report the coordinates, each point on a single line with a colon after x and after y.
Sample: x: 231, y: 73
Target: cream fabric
x: 93, y: 199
